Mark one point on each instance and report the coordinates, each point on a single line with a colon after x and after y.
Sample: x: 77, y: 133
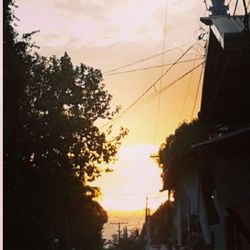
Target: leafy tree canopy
x: 53, y: 148
x: 61, y: 104
x: 180, y: 142
x: 161, y: 223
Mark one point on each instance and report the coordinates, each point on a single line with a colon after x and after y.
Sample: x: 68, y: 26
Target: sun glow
x: 135, y: 176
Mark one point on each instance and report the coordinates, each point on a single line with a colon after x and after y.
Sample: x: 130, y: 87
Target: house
x: 211, y: 180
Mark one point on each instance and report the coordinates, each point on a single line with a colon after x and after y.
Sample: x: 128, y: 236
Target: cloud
x: 108, y: 27
x: 96, y: 9
x: 77, y: 8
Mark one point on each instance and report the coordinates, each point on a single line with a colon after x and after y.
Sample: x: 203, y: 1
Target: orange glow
x: 110, y: 34
x: 135, y: 176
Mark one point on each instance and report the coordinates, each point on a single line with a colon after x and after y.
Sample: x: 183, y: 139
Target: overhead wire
x: 145, y: 59
x: 245, y: 6
x: 200, y: 47
x: 197, y: 92
x: 186, y: 95
x: 189, y: 83
x: 151, y: 97
x: 162, y: 62
x: 179, y: 78
x: 173, y: 82
x: 149, y: 88
x: 235, y: 7
x: 150, y: 67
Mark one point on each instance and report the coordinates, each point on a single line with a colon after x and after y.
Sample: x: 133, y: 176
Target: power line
x: 172, y: 83
x: 235, y: 7
x: 145, y: 59
x: 141, y: 60
x: 181, y: 77
x: 149, y: 88
x: 245, y: 6
x: 150, y: 67
x: 186, y: 96
x: 154, y: 95
x: 188, y: 87
x: 162, y: 62
x: 197, y: 91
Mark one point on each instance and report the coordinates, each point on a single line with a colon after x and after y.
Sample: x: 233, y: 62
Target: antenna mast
x: 218, y: 8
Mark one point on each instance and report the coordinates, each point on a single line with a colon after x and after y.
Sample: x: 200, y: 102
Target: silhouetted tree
x: 53, y: 148
x: 181, y: 141
x: 161, y: 223
x: 61, y: 105
x: 176, y: 146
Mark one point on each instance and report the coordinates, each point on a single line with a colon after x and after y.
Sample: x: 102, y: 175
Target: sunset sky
x: 108, y: 34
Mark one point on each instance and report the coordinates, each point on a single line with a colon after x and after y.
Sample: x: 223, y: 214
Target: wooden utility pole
x: 119, y: 229
x: 147, y: 223
x: 126, y: 232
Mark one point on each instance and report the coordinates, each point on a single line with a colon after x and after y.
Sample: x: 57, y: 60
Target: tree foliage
x: 161, y: 223
x: 62, y: 104
x: 181, y: 141
x: 53, y: 148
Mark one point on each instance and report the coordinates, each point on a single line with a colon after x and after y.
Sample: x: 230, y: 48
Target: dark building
x: 211, y: 180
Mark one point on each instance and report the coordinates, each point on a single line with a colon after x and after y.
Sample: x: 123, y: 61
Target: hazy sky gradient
x: 106, y: 34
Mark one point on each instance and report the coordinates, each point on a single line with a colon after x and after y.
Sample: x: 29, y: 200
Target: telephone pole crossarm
x: 119, y: 229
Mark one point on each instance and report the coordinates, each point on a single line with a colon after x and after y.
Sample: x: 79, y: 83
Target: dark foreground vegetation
x: 52, y: 146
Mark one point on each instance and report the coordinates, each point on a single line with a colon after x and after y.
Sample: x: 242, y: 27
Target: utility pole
x: 147, y: 222
x: 147, y: 211
x: 126, y: 232
x: 119, y: 229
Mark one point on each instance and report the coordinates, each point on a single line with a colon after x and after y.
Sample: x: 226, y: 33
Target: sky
x: 109, y: 34
x: 135, y: 177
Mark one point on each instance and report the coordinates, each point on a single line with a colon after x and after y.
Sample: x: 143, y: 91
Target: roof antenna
x: 218, y: 8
